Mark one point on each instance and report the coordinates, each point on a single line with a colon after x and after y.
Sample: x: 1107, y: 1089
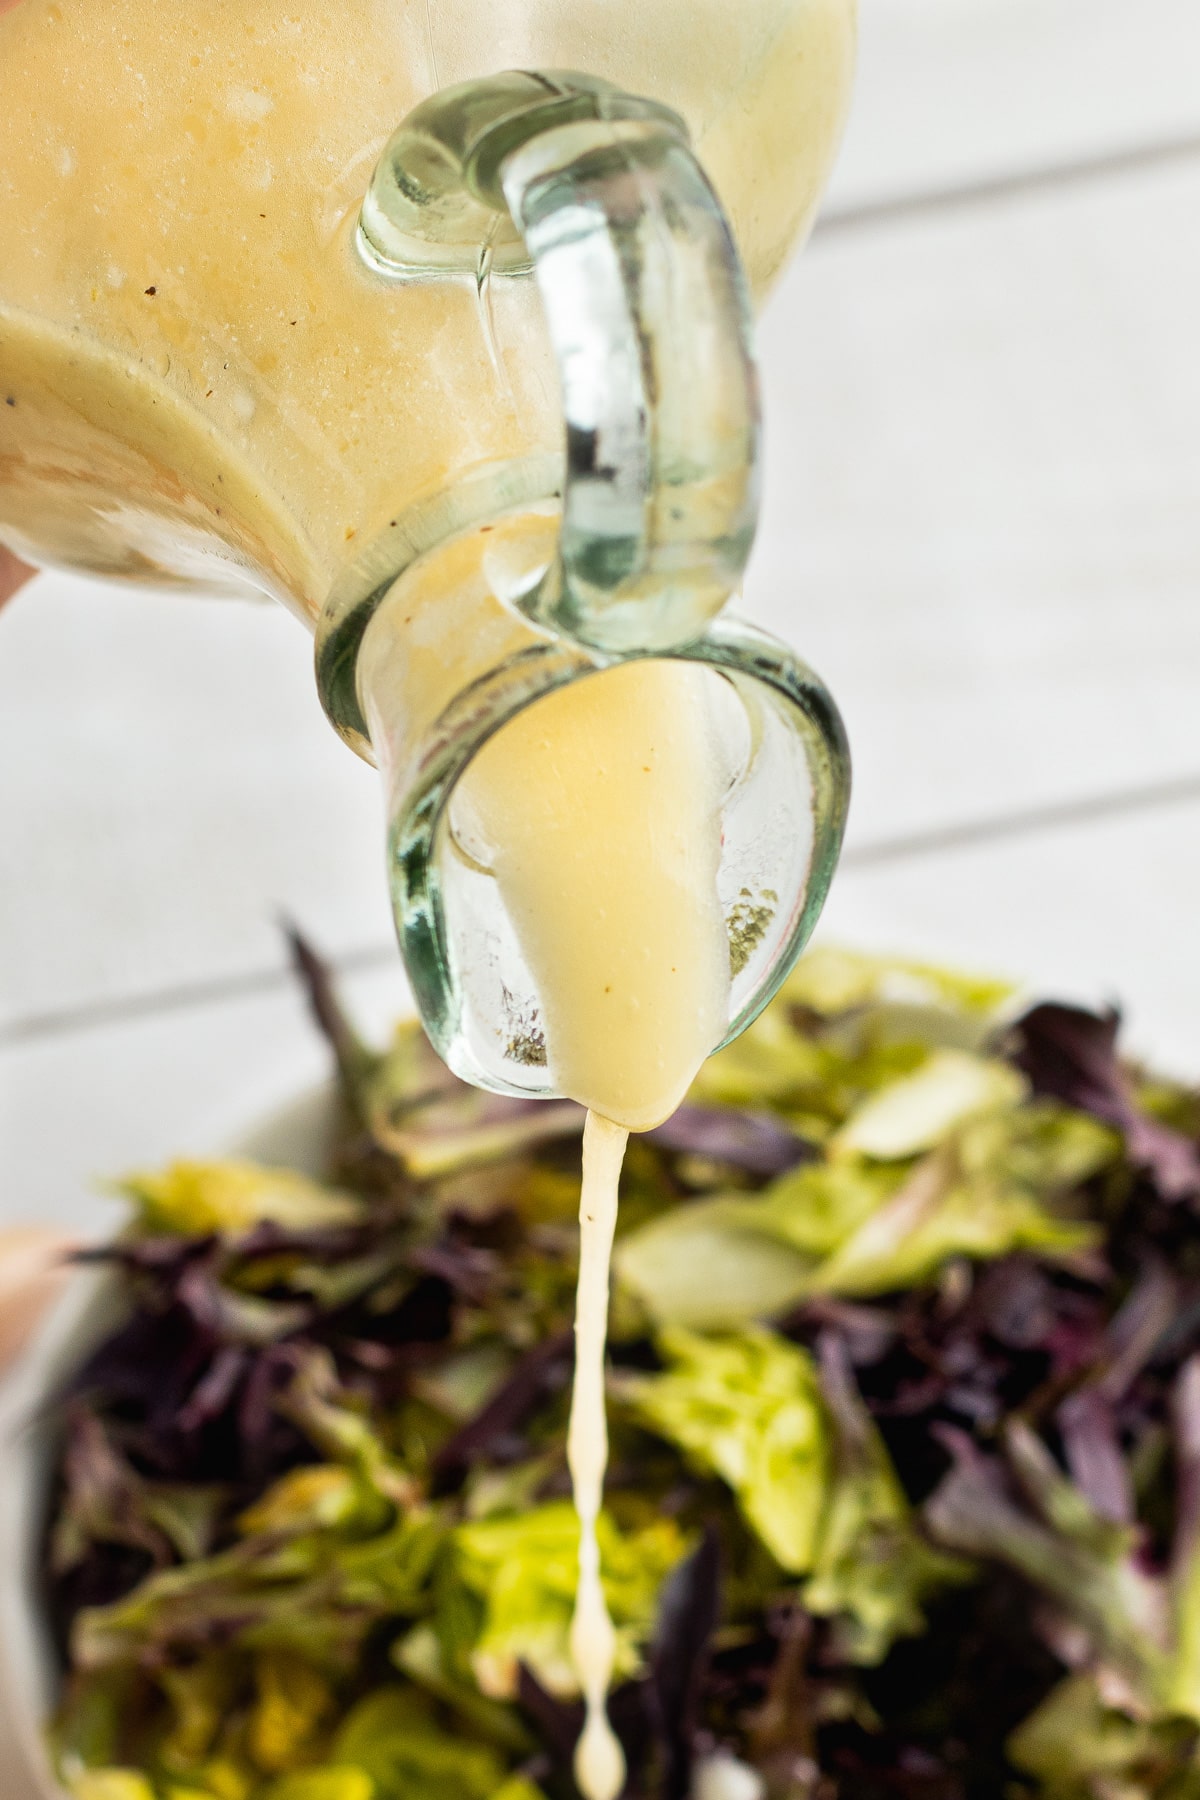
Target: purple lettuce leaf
x: 759, y: 1143
x: 689, y: 1610
x: 496, y: 1431
x: 1070, y: 1054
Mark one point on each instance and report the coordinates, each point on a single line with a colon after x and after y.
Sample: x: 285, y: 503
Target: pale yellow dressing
x: 599, y: 1761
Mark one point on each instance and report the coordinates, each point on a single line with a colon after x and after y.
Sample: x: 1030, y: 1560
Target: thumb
x: 33, y: 1270
x: 13, y: 572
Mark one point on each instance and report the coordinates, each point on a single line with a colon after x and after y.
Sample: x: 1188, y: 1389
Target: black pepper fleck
x: 152, y: 290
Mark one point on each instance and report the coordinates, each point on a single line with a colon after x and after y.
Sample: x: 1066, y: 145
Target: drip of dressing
x: 599, y: 1759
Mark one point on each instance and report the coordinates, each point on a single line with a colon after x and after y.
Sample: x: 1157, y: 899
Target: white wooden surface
x: 982, y: 527
x: 957, y: 94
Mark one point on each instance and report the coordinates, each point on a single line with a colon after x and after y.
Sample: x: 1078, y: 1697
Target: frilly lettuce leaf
x: 523, y: 1571
x: 810, y: 1473
x: 197, y: 1198
x: 747, y: 1408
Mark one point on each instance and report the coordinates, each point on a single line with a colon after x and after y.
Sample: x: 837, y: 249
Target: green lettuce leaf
x: 748, y: 1408
x: 937, y: 1215
x: 921, y: 1110
x: 315, y: 1594
x: 831, y: 980
x: 845, y: 1027
x: 437, y: 1125
x: 343, y: 1783
x: 1082, y: 1745
x: 197, y: 1198
x: 88, y: 1730
x: 874, y: 1569
x: 523, y: 1572
x: 325, y: 1497
x: 110, y: 1784
x: 293, y: 1703
x: 201, y: 1696
x: 666, y: 1268
x: 770, y: 1064
x: 421, y: 1656
x: 855, y: 1228
x: 519, y: 1788
x: 395, y: 1739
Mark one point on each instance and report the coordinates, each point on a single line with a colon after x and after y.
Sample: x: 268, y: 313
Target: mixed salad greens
x: 905, y: 1407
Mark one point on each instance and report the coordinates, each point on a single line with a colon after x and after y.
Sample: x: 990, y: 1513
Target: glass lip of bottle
x: 480, y: 497
x: 427, y: 778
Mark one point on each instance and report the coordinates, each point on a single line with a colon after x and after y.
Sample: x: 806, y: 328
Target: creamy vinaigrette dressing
x: 599, y: 1760
x: 602, y: 805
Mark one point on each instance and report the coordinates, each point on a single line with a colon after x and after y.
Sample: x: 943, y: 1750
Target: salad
x: 905, y: 1409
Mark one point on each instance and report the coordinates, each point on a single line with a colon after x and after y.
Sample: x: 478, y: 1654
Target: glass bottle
x: 253, y: 337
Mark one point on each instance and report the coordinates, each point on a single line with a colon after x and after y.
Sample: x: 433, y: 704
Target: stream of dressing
x: 599, y: 1759
x: 602, y: 809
